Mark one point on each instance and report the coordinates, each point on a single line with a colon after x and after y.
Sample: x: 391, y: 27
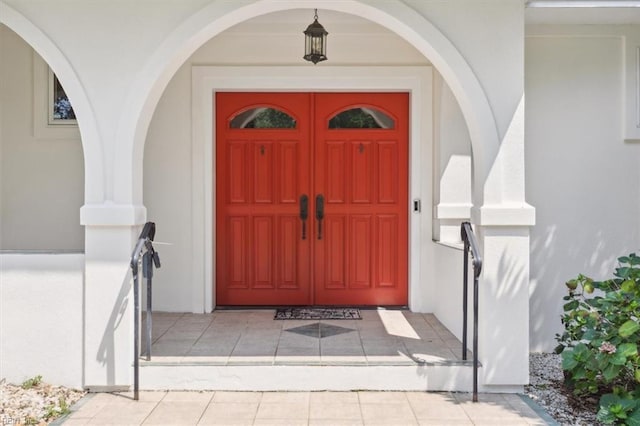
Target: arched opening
x: 397, y: 18
x: 41, y: 240
x: 182, y: 215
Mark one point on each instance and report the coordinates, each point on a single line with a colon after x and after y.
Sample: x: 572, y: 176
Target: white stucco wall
x: 41, y: 318
x: 581, y: 175
x: 42, y: 169
x: 465, y: 23
x: 452, y: 200
x: 448, y: 290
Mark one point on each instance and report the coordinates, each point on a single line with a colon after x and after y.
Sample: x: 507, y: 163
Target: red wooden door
x: 348, y: 153
x: 262, y: 169
x: 362, y: 173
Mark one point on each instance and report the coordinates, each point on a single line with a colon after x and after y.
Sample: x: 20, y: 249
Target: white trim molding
x: 452, y: 211
x: 504, y: 215
x: 632, y: 87
x: 582, y: 3
x: 206, y: 80
x: 110, y: 214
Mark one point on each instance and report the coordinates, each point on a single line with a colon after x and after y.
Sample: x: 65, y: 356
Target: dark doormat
x: 317, y: 314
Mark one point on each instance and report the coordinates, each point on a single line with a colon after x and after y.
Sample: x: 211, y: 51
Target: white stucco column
x: 503, y: 328
x: 110, y: 233
x: 503, y: 224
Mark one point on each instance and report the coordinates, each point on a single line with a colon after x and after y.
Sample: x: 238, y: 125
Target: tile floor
x: 241, y: 337
x: 302, y: 408
x: 387, y: 337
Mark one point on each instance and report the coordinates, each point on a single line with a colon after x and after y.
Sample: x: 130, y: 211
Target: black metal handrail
x: 149, y: 259
x: 470, y: 245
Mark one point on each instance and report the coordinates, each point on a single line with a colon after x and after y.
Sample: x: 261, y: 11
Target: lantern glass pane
x: 316, y: 45
x: 307, y: 45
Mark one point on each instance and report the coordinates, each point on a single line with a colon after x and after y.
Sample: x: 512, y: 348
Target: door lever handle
x: 319, y: 213
x: 304, y: 214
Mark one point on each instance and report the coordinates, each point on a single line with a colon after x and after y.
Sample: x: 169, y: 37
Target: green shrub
x: 599, y: 345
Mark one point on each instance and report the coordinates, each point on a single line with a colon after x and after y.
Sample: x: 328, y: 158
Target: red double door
x: 311, y: 198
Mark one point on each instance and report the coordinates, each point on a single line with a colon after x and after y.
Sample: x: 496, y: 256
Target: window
x: 60, y: 109
x: 45, y: 127
x: 263, y: 118
x: 361, y: 118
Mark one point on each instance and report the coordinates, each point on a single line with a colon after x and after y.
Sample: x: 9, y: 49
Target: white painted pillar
x: 504, y: 306
x: 503, y: 224
x: 110, y: 234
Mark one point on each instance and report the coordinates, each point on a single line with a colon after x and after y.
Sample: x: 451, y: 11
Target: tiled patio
x: 304, y: 408
x: 253, y: 337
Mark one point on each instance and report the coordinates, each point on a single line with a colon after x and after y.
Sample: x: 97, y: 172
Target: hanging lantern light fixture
x: 315, y: 43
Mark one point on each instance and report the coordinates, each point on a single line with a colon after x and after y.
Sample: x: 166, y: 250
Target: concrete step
x: 447, y: 376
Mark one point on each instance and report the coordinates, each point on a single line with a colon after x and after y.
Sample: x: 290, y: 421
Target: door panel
x: 334, y: 234
x: 263, y: 172
x: 333, y: 171
x: 361, y: 172
x: 360, y: 251
x: 351, y: 148
x: 237, y: 245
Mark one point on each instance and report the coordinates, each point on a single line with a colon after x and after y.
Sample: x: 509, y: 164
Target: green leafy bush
x: 599, y: 345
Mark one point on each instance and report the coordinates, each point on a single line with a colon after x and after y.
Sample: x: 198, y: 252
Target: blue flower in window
x: 62, y: 109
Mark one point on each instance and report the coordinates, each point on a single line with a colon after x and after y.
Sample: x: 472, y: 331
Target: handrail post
x: 471, y: 245
x: 465, y: 286
x: 475, y: 333
x: 136, y: 333
x: 149, y: 260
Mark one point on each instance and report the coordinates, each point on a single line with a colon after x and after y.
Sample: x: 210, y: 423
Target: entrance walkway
x: 303, y: 408
x: 247, y: 350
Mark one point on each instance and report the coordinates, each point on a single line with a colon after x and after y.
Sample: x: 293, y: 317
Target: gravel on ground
x: 34, y: 402
x: 546, y: 388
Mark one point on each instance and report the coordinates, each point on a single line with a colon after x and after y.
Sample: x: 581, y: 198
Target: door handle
x: 319, y: 213
x: 304, y: 214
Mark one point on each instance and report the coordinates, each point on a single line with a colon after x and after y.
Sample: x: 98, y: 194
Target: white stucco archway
x: 91, y: 143
x: 219, y: 16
